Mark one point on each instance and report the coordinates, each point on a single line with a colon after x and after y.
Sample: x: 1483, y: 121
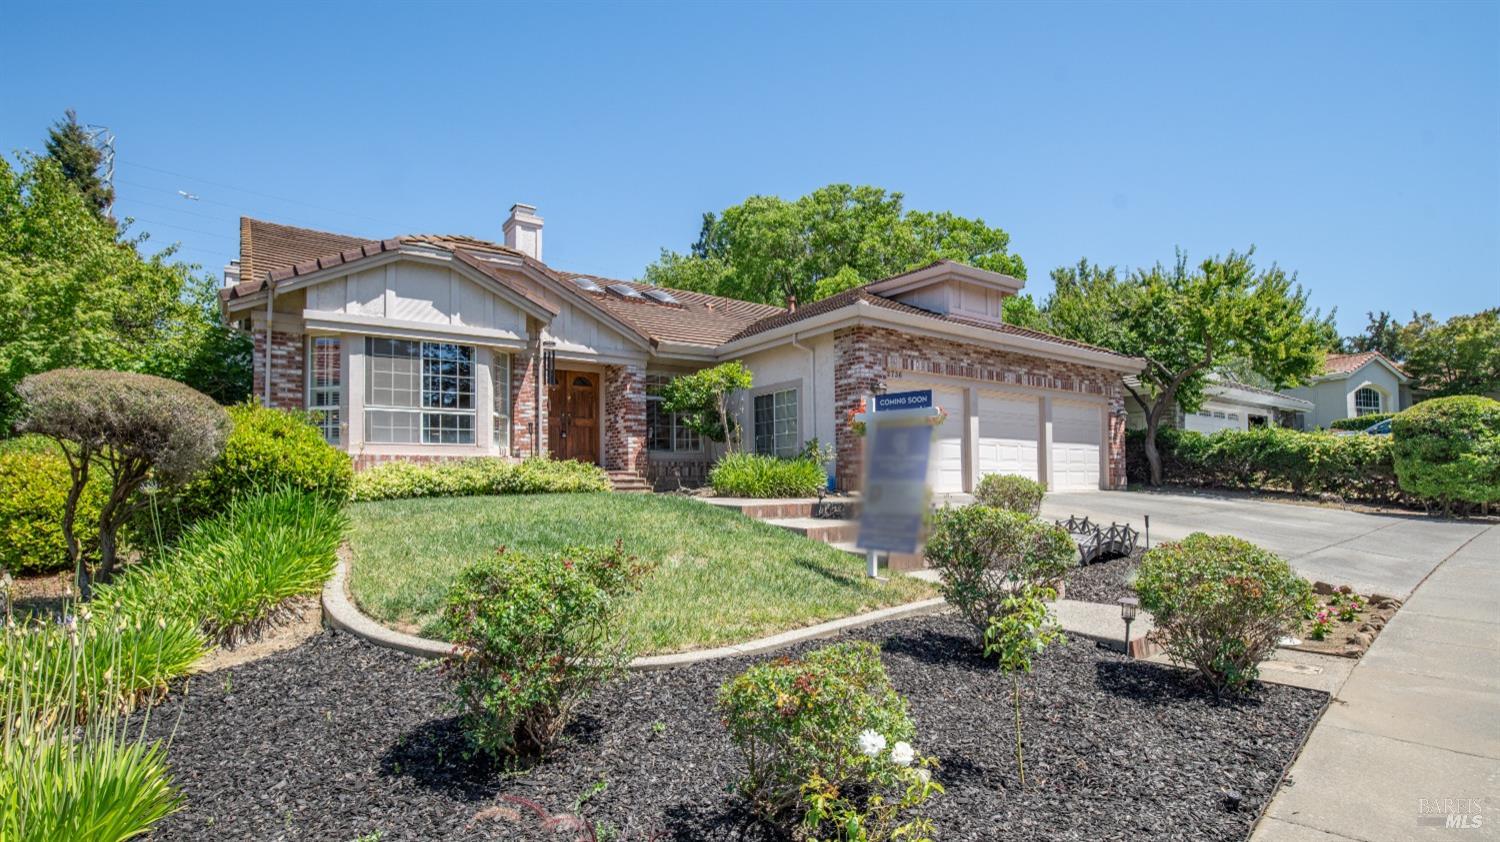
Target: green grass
x: 721, y: 577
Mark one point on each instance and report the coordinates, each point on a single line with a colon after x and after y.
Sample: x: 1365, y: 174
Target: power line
x: 256, y: 192
x: 288, y: 219
x: 184, y: 228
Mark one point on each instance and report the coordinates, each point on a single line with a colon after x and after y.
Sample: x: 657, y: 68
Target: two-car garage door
x: 1008, y: 435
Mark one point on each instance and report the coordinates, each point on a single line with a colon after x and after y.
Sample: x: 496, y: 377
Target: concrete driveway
x: 1385, y: 554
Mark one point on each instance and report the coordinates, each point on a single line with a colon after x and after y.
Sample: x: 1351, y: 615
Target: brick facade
x: 287, y: 369
x: 625, y: 419
x: 525, y: 423
x: 867, y: 357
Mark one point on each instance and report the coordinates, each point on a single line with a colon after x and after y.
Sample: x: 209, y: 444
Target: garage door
x: 1215, y: 417
x: 946, y: 469
x: 1007, y: 441
x: 1075, y: 446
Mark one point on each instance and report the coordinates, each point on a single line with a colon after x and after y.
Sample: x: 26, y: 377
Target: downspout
x: 270, y: 298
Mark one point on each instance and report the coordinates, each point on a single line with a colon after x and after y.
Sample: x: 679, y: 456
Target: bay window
x: 418, y: 392
x: 325, y: 385
x: 500, y: 381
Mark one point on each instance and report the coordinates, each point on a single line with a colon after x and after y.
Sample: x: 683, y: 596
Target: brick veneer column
x: 287, y: 370
x: 625, y: 418
x: 867, y: 357
x: 525, y: 420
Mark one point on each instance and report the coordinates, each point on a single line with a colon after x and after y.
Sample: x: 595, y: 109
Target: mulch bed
x: 1102, y: 581
x: 338, y: 738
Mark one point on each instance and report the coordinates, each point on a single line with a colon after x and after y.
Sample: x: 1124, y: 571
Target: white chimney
x: 523, y: 230
x: 231, y: 273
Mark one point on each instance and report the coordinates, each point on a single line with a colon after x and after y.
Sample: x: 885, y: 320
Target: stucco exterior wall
x: 1333, y: 399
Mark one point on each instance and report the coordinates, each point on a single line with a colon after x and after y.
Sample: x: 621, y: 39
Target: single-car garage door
x: 946, y: 469
x: 1075, y: 446
x: 1007, y: 441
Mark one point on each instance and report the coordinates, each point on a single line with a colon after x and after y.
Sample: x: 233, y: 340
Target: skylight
x: 587, y: 285
x: 662, y: 295
x: 625, y: 291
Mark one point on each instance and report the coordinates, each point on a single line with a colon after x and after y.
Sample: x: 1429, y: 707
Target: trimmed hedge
x: 1360, y: 423
x: 1447, y: 450
x: 757, y: 475
x: 1011, y: 492
x: 482, y: 475
x: 34, y: 485
x: 269, y: 449
x: 1352, y: 467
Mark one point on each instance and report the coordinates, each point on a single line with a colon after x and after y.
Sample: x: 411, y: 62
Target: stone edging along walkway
x: 340, y: 612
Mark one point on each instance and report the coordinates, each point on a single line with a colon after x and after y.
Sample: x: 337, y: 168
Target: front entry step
x: 626, y: 482
x: 827, y: 530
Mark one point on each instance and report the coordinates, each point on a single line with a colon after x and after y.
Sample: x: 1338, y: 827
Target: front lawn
x: 721, y: 577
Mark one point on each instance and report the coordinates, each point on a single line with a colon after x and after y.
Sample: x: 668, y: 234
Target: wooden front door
x: 573, y: 416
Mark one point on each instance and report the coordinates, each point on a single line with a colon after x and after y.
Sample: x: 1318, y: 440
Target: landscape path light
x: 1129, y: 605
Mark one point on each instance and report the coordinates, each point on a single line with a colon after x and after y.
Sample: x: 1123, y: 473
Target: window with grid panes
x: 776, y: 423
x: 419, y: 392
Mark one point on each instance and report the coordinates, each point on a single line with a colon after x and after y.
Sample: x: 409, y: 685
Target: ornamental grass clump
x: 1221, y: 605
x: 533, y: 635
x: 983, y: 555
x: 761, y: 476
x: 1011, y: 492
x: 827, y: 746
x: 69, y: 767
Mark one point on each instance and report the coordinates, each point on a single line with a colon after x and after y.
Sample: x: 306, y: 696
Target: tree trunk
x: 1153, y: 456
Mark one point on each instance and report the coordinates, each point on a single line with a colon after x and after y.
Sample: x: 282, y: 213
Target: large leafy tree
x: 1458, y: 357
x: 1186, y: 321
x: 1383, y: 334
x: 77, y: 156
x: 75, y: 292
x: 768, y: 249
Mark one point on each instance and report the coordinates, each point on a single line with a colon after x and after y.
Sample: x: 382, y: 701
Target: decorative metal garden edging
x: 1100, y: 544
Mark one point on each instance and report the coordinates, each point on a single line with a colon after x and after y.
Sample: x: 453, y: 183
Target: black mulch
x: 1103, y: 581
x: 338, y: 739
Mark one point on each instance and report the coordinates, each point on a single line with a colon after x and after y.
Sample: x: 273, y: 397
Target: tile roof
x: 850, y: 296
x: 697, y: 318
x: 266, y: 247
x: 1350, y: 363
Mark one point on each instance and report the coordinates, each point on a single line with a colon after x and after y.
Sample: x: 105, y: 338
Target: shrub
x: 813, y: 734
x: 1360, y: 423
x: 479, y: 476
x: 130, y: 426
x: 983, y: 554
x: 758, y: 475
x: 34, y: 488
x: 1023, y: 629
x: 234, y: 574
x: 532, y: 636
x: 1447, y: 450
x: 1220, y: 605
x: 269, y: 449
x: 62, y: 780
x: 1011, y: 492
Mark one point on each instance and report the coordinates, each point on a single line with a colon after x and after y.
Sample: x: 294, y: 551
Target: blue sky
x: 1357, y: 144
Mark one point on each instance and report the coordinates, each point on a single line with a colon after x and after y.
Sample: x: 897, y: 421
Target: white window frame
x: 326, y: 400
x: 423, y: 413
x: 682, y: 439
x: 500, y: 409
x: 1361, y: 411
x: 783, y: 443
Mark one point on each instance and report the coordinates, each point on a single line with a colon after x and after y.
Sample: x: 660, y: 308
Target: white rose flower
x: 871, y: 743
x: 902, y: 754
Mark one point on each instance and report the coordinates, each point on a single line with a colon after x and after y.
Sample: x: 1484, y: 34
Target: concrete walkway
x: 1410, y: 747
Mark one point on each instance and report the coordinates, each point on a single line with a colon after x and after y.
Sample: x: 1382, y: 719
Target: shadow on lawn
x: 838, y: 578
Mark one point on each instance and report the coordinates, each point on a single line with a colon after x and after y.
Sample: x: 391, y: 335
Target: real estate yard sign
x: 898, y: 448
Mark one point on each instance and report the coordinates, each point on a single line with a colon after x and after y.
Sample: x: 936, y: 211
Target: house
x: 429, y: 347
x: 1353, y: 385
x: 1228, y: 405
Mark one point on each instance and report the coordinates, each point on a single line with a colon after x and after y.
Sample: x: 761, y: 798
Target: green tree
x: 75, y: 292
x: 701, y: 400
x: 1185, y: 321
x: 1458, y: 357
x: 69, y: 144
x: 1383, y: 334
x: 768, y: 249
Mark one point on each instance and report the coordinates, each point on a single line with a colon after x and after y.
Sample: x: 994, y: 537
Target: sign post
x: 898, y: 429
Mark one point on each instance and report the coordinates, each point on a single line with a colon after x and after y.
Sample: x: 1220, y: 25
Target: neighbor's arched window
x: 1366, y: 401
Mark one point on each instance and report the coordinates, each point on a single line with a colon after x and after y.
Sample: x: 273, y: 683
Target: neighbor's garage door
x: 946, y: 470
x: 1007, y: 442
x: 1075, y: 446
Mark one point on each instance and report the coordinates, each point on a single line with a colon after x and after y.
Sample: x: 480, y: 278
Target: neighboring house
x: 1353, y: 385
x: 1229, y: 405
x: 429, y: 347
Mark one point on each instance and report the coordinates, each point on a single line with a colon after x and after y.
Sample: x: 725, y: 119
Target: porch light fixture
x: 549, y: 363
x: 1129, y: 605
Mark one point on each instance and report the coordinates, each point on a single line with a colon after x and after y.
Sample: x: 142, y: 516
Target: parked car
x: 1379, y: 428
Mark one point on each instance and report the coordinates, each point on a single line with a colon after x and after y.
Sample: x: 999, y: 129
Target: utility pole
x: 104, y: 140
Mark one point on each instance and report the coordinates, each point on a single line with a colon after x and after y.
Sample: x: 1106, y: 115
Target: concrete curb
x: 340, y: 612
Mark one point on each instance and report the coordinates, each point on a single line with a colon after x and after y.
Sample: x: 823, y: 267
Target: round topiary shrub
x: 269, y: 449
x: 983, y: 555
x: 1221, y: 605
x: 34, y: 488
x: 1447, y: 451
x: 1011, y: 492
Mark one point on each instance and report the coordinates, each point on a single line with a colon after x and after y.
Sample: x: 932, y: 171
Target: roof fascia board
x: 944, y: 272
x: 403, y: 329
x: 1245, y: 396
